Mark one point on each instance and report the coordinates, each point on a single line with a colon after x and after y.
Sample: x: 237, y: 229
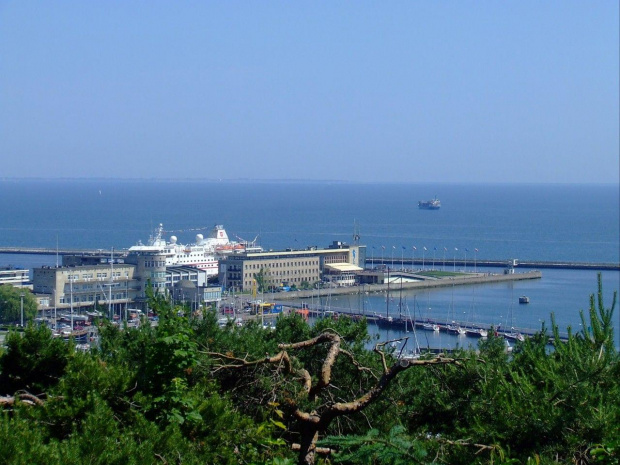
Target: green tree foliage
x: 139, y: 399
x: 262, y: 280
x: 33, y: 361
x: 537, y: 402
x: 394, y: 448
x: 11, y: 301
x: 189, y: 391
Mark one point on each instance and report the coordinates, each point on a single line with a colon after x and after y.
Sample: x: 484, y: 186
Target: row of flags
x: 424, y: 248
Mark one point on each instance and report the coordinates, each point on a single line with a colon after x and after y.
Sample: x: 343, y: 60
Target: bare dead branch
x: 466, y: 443
x: 318, y: 420
x: 25, y: 397
x: 306, y: 379
x: 379, y: 349
x: 323, y: 337
x: 357, y: 364
x: 343, y: 408
x: 328, y: 363
x: 307, y: 417
x: 280, y: 358
x: 319, y: 450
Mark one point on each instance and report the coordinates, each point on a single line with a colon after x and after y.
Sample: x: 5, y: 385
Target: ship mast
x: 356, y: 233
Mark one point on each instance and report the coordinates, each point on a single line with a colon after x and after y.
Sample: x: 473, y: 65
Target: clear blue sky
x: 401, y: 91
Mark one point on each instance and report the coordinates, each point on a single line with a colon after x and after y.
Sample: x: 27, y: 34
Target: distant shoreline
x: 304, y: 181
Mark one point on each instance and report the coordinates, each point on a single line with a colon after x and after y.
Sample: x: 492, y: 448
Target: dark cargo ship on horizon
x: 433, y: 204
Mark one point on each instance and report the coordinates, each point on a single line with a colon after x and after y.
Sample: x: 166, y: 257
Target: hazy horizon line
x: 296, y: 181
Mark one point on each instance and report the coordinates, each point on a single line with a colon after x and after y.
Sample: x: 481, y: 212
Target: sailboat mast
x: 111, y: 279
x: 400, y: 299
x: 387, y: 296
x: 71, y: 292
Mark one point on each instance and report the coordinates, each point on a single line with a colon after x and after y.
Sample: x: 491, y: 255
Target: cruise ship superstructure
x: 202, y: 254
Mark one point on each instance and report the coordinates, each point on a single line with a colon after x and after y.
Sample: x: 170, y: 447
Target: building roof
x: 293, y: 253
x: 185, y: 284
x: 342, y: 267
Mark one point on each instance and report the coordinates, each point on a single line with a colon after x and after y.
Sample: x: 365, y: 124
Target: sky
x: 399, y: 91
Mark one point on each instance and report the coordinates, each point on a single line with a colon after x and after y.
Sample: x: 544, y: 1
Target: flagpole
x: 444, y: 258
x: 454, y: 263
x: 475, y: 258
x: 465, y: 267
x: 413, y: 249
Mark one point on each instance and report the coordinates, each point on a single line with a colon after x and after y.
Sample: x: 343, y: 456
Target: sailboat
x: 414, y: 353
x: 428, y: 325
x: 474, y: 331
x: 453, y: 327
x: 477, y: 332
x: 513, y: 334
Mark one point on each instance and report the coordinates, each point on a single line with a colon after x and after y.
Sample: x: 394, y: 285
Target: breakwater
x: 458, y: 280
x: 470, y: 264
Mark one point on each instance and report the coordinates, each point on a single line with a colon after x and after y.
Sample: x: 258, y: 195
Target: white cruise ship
x: 202, y: 254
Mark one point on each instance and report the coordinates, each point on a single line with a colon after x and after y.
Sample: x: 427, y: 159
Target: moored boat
x: 455, y: 329
x: 430, y: 327
x: 514, y: 335
x: 477, y: 332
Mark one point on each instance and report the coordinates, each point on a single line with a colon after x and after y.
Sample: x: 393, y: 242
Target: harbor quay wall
x: 469, y: 279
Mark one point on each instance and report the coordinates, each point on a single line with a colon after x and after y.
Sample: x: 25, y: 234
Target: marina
x: 489, y: 225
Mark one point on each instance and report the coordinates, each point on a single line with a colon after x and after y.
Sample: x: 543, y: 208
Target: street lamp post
x: 21, y: 297
x: 55, y: 311
x: 454, y: 263
x: 465, y: 268
x: 475, y: 258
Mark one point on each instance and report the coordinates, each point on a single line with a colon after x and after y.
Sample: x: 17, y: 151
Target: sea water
x: 574, y: 223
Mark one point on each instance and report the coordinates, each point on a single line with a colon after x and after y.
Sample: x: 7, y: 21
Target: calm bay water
x: 528, y: 222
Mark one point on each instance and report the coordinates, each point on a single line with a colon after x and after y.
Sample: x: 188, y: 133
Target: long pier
x: 48, y: 251
x: 472, y: 264
x: 448, y: 263
x: 424, y: 283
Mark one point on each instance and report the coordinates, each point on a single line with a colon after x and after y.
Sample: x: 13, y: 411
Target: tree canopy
x: 11, y: 301
x: 190, y: 391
